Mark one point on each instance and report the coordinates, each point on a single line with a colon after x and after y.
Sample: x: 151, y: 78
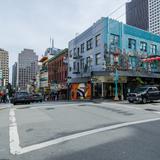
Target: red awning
x: 152, y: 59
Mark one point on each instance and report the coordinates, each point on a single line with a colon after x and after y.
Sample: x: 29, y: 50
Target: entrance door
x: 108, y: 90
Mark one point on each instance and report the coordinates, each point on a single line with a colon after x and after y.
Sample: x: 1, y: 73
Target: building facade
x: 154, y: 16
x: 4, y: 66
x: 144, y: 14
x: 57, y: 74
x: 43, y: 75
x: 27, y: 68
x: 1, y: 79
x: 93, y: 53
x: 137, y: 14
x: 14, y: 75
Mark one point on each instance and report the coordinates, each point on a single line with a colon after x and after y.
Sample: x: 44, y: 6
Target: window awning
x: 151, y: 59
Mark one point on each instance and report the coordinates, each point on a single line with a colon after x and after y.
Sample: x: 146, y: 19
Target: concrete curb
x: 2, y: 108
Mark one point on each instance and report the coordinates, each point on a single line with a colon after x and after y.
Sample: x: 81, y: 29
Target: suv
x: 144, y: 94
x: 21, y: 97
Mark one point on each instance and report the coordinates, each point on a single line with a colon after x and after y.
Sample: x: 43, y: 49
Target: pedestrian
x: 4, y: 98
x: 7, y: 98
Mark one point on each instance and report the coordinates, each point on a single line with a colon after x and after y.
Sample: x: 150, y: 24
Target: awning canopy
x: 151, y: 59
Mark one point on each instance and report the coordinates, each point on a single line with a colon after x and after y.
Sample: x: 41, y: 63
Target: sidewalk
x: 4, y: 106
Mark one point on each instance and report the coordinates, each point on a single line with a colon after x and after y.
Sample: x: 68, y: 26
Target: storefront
x: 104, y: 87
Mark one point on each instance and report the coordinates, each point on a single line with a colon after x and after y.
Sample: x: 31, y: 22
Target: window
x: 133, y: 62
x: 78, y: 67
x: 89, y: 44
x: 70, y: 53
x: 74, y: 52
x: 132, y: 44
x: 78, y: 51
x: 82, y: 48
x: 88, y: 61
x: 97, y: 40
x: 98, y: 58
x: 82, y: 63
x: 65, y: 74
x: 143, y: 46
x: 153, y: 49
x: 74, y: 65
x: 114, y: 40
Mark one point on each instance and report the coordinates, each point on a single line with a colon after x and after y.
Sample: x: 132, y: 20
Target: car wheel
x: 144, y: 100
x: 130, y: 101
x: 14, y: 103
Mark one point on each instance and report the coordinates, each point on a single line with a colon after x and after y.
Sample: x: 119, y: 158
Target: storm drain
x: 151, y: 110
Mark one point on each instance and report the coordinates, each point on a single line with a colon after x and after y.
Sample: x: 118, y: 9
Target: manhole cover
x: 151, y: 110
x: 23, y: 107
x: 29, y: 130
x: 82, y: 105
x: 49, y: 108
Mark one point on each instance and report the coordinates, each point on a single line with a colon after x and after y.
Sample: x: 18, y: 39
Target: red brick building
x: 57, y: 74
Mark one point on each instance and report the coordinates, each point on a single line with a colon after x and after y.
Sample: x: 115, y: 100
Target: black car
x: 37, y: 98
x: 21, y: 97
x: 144, y: 94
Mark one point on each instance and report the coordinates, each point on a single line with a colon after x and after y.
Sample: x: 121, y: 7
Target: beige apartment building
x: 4, y: 66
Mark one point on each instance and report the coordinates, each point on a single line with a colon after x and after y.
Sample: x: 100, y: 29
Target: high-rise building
x: 14, y: 75
x: 154, y: 16
x: 4, y: 66
x: 144, y: 14
x: 27, y: 68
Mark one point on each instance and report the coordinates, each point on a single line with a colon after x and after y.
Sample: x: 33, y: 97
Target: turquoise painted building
x: 93, y: 55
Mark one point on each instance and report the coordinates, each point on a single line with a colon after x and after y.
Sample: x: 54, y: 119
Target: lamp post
x: 116, y: 76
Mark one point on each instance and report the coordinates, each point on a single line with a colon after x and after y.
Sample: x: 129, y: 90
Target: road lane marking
x: 16, y: 149
x: 78, y: 135
x: 157, y: 112
x: 13, y: 134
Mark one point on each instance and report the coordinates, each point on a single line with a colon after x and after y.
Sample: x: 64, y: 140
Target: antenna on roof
x: 52, y: 44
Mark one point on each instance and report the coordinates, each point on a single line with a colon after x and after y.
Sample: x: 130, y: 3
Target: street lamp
x: 116, y: 76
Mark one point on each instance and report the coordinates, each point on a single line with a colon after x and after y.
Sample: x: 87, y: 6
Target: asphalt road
x: 80, y: 131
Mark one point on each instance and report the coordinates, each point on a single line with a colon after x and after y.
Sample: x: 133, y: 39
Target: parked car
x: 144, y: 94
x: 21, y: 97
x: 37, y: 98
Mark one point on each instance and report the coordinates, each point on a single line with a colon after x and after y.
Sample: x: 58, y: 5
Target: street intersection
x: 80, y: 130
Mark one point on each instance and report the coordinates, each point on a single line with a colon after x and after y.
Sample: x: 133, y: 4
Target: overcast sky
x: 31, y: 23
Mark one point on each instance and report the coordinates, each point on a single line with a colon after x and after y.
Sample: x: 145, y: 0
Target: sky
x: 31, y: 23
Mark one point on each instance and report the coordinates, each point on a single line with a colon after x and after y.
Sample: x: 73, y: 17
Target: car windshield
x: 140, y: 89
